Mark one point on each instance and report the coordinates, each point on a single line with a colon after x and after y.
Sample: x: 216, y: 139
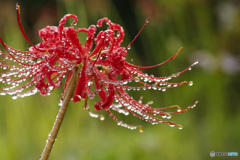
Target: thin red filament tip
x: 177, y: 53
x: 18, y: 8
x: 21, y: 27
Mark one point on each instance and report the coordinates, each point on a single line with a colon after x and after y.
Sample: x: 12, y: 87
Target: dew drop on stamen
x: 125, y: 82
x: 101, y: 117
x: 91, y: 96
x: 195, y: 63
x: 169, y: 116
x: 190, y: 83
x: 164, y: 116
x: 14, y: 97
x: 140, y: 129
x: 8, y: 79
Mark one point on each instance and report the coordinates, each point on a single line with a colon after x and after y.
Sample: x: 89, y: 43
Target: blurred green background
x: 207, y: 29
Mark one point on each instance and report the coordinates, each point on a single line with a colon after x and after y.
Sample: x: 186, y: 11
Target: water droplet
x: 125, y: 82
x: 14, y: 97
x: 93, y: 115
x: 190, y: 83
x: 101, y: 117
x: 164, y: 116
x: 190, y: 69
x: 91, y: 96
x: 195, y: 63
x: 119, y: 123
x: 60, y: 103
x: 171, y: 125
x: 140, y: 129
x: 169, y: 116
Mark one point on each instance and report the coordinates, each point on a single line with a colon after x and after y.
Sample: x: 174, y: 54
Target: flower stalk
x: 57, y: 124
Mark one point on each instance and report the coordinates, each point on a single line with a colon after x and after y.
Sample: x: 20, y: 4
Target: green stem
x: 57, y: 124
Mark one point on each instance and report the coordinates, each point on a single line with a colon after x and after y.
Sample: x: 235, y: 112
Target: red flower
x: 103, y: 70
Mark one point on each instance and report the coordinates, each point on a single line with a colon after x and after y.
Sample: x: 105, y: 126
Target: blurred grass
x: 198, y: 26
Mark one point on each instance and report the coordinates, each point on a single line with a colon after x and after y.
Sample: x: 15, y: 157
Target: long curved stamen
x: 147, y: 67
x: 96, y: 60
x: 5, y: 46
x: 147, y: 20
x: 21, y: 27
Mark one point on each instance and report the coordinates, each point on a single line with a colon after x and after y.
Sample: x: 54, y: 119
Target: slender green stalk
x: 56, y: 126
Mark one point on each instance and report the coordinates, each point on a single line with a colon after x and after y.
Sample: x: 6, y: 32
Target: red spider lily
x: 103, y: 70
